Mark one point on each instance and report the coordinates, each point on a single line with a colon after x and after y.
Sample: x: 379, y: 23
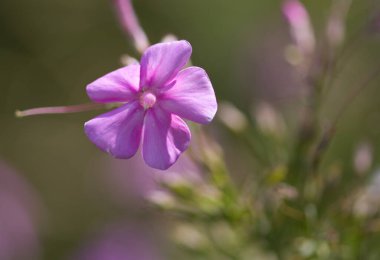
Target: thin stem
x: 308, y: 130
x: 59, y: 109
x: 346, y: 53
x: 330, y: 131
x: 131, y: 25
x: 331, y: 69
x: 354, y: 94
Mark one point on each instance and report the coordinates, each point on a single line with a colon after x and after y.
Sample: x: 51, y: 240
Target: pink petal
x: 166, y: 136
x: 192, y: 97
x: 161, y: 63
x: 117, y: 132
x: 118, y: 86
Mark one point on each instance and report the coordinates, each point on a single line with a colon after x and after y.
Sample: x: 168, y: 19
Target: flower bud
x: 232, y: 117
x: 300, y: 27
x: 190, y: 237
x: 169, y: 38
x: 363, y: 158
x: 161, y: 199
x: 127, y: 60
x: 336, y: 28
x: 130, y: 23
x: 269, y: 120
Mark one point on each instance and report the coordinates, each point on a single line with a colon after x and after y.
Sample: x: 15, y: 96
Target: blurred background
x: 50, y: 50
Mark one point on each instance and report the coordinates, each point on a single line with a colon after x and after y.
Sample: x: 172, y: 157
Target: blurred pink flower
x: 368, y: 200
x: 131, y: 180
x: 300, y: 26
x: 374, y: 25
x: 120, y: 243
x: 155, y: 95
x: 18, y: 213
x: 129, y: 21
x: 363, y: 157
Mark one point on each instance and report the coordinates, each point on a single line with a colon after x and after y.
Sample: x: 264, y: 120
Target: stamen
x: 147, y: 100
x: 59, y: 109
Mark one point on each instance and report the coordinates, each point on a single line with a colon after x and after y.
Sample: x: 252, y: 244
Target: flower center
x: 147, y: 99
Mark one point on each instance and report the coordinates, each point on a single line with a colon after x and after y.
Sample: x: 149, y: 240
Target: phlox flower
x: 155, y: 94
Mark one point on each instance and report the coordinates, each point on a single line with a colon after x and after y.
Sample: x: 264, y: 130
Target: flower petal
x: 117, y: 132
x: 166, y: 136
x: 192, y: 97
x: 118, y: 86
x: 161, y: 63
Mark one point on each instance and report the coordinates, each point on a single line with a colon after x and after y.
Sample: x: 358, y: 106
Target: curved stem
x: 324, y: 141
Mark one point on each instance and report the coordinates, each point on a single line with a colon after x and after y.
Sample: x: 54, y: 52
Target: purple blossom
x: 128, y: 181
x: 156, y: 95
x: 19, y: 212
x: 120, y: 242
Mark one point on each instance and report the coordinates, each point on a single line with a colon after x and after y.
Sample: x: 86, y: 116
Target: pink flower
x: 121, y: 242
x: 156, y: 94
x: 20, y: 212
x: 300, y: 25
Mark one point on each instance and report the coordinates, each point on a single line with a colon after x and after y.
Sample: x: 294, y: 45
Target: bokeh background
x: 50, y: 50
